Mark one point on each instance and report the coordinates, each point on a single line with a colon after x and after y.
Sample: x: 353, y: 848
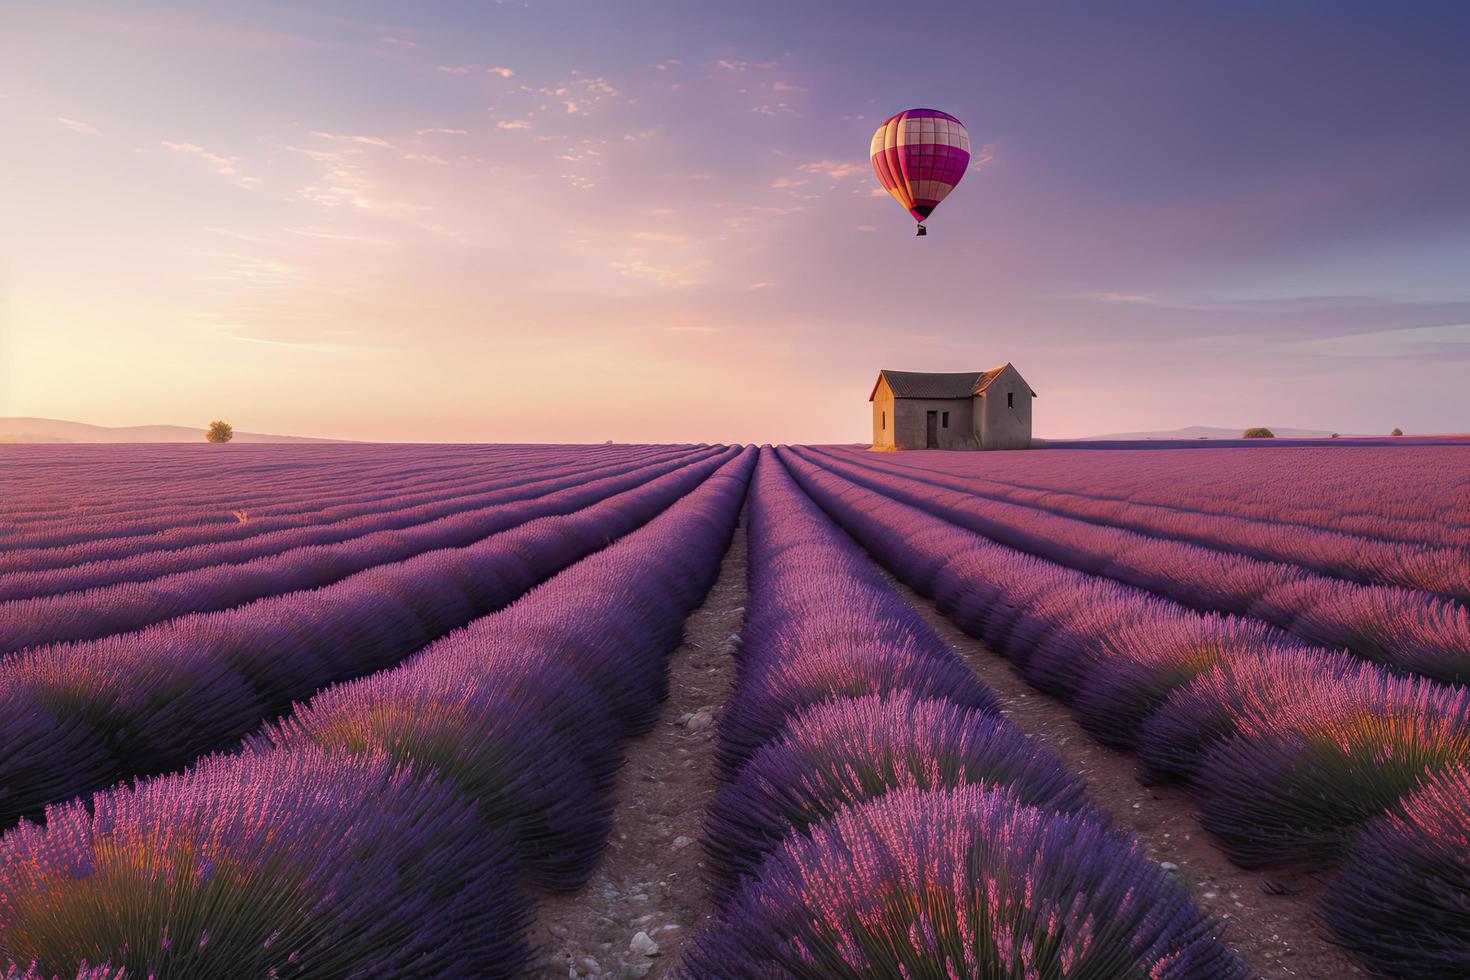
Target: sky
x: 657, y: 221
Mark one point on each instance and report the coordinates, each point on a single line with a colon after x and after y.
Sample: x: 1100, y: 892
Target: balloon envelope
x: 919, y: 156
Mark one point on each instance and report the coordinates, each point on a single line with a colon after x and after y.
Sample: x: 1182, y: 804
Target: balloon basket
x: 921, y: 232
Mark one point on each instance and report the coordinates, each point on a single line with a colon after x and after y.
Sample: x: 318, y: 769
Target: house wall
x: 910, y: 423
x: 1001, y: 427
x: 883, y: 403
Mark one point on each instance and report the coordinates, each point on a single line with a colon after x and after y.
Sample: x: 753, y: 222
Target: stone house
x: 966, y: 410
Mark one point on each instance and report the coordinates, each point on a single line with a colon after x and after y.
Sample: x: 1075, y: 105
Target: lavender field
x: 728, y: 712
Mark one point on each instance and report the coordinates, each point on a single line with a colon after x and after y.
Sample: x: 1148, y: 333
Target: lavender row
x: 388, y: 827
x: 126, y: 606
x: 1402, y: 898
x: 85, y: 536
x: 882, y: 820
x: 45, y: 482
x: 76, y: 716
x: 44, y: 485
x: 134, y: 489
x: 1408, y: 631
x: 410, y: 510
x: 1440, y: 569
x: 1412, y: 493
x: 111, y: 538
x: 1290, y: 751
x: 524, y: 710
x: 300, y: 863
x: 318, y: 489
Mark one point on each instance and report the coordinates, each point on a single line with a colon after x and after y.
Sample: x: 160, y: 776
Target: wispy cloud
x: 453, y: 69
x: 240, y: 236
x: 252, y: 272
x: 663, y: 275
x: 579, y: 94
x: 221, y: 164
x: 441, y: 131
x: 346, y: 138
x: 664, y: 238
x: 502, y: 72
x: 1138, y: 299
x: 1450, y: 342
x: 770, y: 209
x: 737, y: 65
x: 335, y: 236
x: 836, y: 169
x: 316, y: 346
x: 77, y: 126
x: 513, y: 124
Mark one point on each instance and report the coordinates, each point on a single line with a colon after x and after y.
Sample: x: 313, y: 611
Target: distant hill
x: 14, y: 430
x: 1212, y: 432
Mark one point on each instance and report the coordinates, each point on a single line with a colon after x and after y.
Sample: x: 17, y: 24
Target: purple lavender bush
x: 1297, y: 783
x: 843, y: 752
x: 1146, y: 664
x: 301, y: 863
x: 938, y: 884
x: 83, y: 972
x: 521, y: 774
x: 760, y: 706
x: 1402, y: 897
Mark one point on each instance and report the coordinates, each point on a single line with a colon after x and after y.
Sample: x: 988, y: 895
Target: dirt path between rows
x: 648, y: 890
x: 1276, y: 935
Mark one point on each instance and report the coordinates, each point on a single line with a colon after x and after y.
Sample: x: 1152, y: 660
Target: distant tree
x: 1258, y: 432
x: 1397, y: 431
x: 219, y: 432
x: 1336, y: 435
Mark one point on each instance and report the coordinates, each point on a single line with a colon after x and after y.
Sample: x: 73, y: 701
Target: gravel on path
x: 648, y: 893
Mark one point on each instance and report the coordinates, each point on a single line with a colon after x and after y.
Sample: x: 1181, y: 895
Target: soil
x: 650, y: 880
x: 1270, y: 918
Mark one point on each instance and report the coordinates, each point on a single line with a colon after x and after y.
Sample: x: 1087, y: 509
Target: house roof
x: 986, y: 377
x: 923, y: 384
x: 915, y: 384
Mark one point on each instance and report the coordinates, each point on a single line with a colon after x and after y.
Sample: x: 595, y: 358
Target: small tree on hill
x: 1259, y: 432
x: 1397, y: 431
x: 219, y: 432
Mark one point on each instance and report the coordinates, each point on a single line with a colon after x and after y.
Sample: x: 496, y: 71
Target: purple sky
x: 657, y: 221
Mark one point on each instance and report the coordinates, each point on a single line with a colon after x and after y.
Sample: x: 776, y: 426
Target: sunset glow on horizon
x: 658, y: 222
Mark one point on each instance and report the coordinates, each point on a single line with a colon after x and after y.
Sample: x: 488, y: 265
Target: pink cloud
x: 76, y: 126
x: 836, y: 169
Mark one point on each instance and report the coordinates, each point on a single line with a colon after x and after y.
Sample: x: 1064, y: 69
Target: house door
x: 931, y: 430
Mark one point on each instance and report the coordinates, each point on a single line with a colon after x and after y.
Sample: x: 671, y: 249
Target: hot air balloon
x: 919, y: 156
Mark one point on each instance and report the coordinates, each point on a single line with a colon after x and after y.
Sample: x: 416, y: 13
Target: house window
x: 884, y: 425
x: 1010, y: 399
x: 944, y: 420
